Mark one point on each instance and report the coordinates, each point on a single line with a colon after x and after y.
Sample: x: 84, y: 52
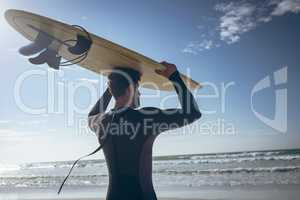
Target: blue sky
x: 231, y: 43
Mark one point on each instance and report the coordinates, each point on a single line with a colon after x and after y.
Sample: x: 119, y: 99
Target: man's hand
x: 168, y: 71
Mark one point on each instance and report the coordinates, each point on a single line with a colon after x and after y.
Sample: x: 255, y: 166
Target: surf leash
x: 95, y: 151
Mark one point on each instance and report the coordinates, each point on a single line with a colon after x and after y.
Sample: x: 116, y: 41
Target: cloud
x: 239, y: 17
x: 235, y: 18
x: 31, y: 123
x: 195, y: 46
x: 286, y: 6
x: 84, y: 17
x: 52, y: 130
x: 17, y: 124
x: 7, y: 133
x: 5, y: 121
x: 13, y: 135
x: 95, y: 81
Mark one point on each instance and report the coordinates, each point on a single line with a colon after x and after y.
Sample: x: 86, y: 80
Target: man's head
x: 123, y: 84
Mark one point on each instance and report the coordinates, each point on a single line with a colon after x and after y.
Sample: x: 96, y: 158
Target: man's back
x: 127, y: 136
x: 128, y: 153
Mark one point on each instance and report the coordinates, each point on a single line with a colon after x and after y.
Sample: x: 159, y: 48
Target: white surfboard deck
x: 103, y: 56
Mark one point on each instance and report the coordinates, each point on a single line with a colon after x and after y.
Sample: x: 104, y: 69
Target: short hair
x: 120, y: 78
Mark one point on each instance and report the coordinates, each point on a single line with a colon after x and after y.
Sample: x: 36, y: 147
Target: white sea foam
x: 232, y: 169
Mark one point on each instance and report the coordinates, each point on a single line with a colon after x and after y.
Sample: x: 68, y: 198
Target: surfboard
x: 101, y: 55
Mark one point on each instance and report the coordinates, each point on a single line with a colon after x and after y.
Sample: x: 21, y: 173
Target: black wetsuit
x: 129, y: 138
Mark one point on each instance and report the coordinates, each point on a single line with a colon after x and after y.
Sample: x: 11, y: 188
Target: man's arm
x: 187, y: 101
x: 99, y: 109
x: 101, y: 104
x: 166, y: 119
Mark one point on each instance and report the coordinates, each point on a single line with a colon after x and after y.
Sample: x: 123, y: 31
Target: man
x: 127, y: 132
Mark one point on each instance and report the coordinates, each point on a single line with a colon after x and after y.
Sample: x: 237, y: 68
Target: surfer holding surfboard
x: 127, y: 132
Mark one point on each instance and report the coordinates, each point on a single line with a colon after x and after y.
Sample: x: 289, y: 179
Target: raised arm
x: 187, y: 101
x: 99, y: 109
x: 101, y: 104
x: 166, y: 119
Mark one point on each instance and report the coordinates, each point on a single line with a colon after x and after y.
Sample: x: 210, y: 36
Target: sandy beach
x: 291, y: 192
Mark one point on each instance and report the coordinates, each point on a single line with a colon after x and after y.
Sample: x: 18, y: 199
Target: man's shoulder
x: 99, y: 117
x: 148, y: 110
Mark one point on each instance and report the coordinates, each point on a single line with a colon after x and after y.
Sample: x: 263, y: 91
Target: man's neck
x: 121, y: 104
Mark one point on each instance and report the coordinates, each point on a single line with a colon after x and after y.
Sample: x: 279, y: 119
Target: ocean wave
x: 68, y: 164
x: 205, y: 177
x: 218, y: 158
x: 232, y: 170
x: 31, y: 177
x: 201, y: 160
x: 6, y: 167
x: 46, y: 181
x: 234, y: 155
x: 182, y: 161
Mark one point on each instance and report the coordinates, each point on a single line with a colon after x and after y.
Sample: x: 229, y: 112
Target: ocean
x: 256, y: 169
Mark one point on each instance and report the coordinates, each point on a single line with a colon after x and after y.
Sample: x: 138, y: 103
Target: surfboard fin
x: 48, y: 56
x: 41, y: 42
x: 82, y: 45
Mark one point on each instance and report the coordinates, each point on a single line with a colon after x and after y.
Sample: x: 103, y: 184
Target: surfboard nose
x: 8, y: 13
